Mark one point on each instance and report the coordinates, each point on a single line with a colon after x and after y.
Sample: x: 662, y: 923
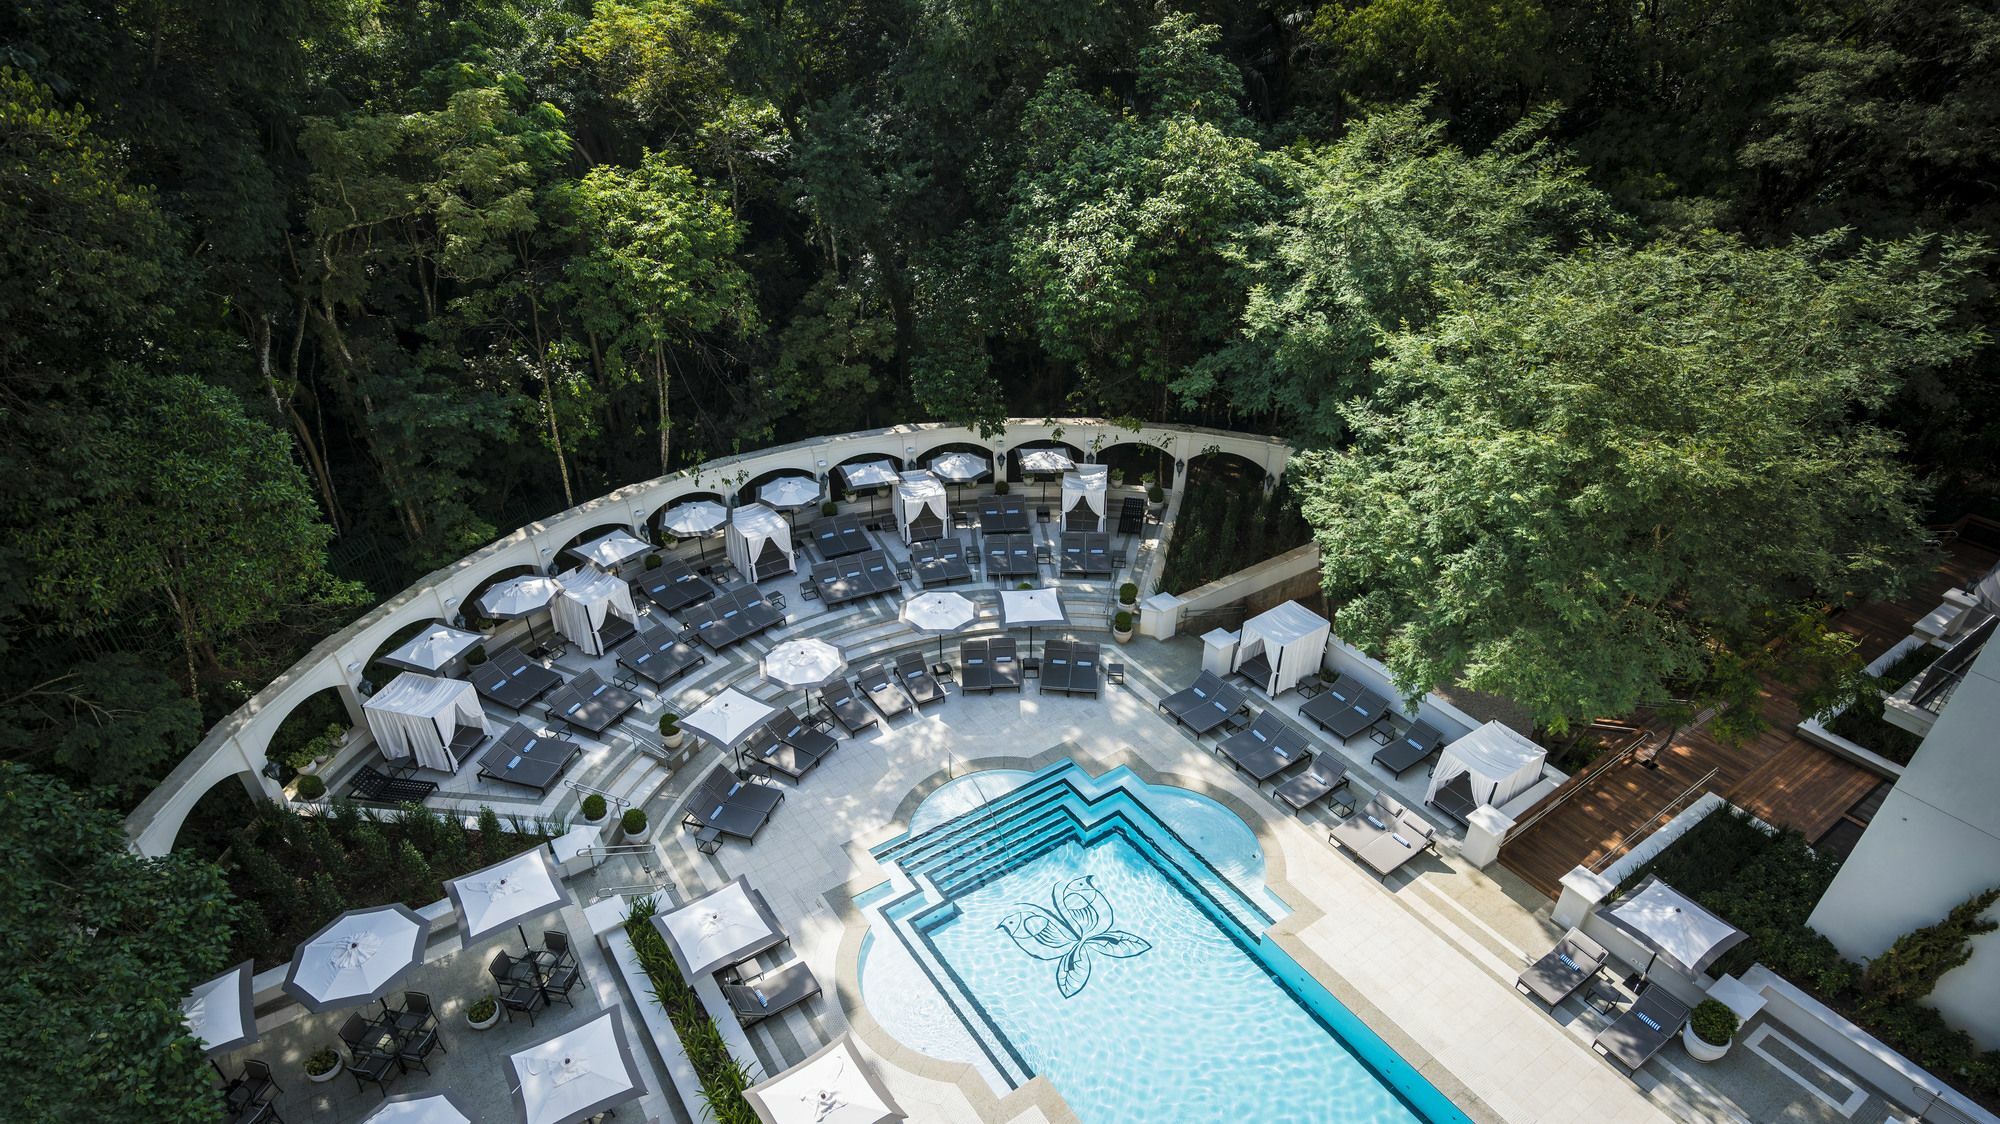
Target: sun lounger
x: 377, y: 787
x: 725, y: 817
x: 1562, y: 969
x: 923, y: 689
x: 513, y: 680
x: 657, y: 656
x: 1383, y: 835
x: 1003, y: 515
x: 1006, y: 673
x: 975, y: 667
x: 940, y: 563
x: 1455, y: 798
x: 804, y: 735
x: 1085, y: 669
x: 1195, y: 694
x: 1205, y: 705
x: 465, y: 741
x: 1267, y: 747
x: 1639, y: 1033
x: 614, y: 631
x: 528, y: 758
x: 1344, y: 711
x: 1097, y: 559
x: 1256, y: 670
x: 1321, y: 777
x: 766, y: 749
x: 884, y: 691
x: 1055, y: 668
x: 723, y: 786
x: 1410, y: 750
x: 775, y: 991
x: 852, y: 713
x: 673, y: 586
x: 589, y: 703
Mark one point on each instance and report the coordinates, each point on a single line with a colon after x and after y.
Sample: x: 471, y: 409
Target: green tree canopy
x: 1603, y: 481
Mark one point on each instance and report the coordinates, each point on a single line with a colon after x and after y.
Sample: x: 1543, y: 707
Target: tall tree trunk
x: 666, y: 417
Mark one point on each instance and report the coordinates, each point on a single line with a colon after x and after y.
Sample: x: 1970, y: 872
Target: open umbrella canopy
x: 868, y: 474
x: 937, y: 612
x: 220, y: 1012
x: 356, y: 957
x: 804, y: 664
x: 1041, y: 462
x: 727, y: 718
x: 696, y: 517
x: 517, y: 597
x: 612, y: 549
x: 419, y: 1108
x: 960, y: 468
x: 1029, y: 607
x: 789, y: 491
x: 1670, y: 924
x: 833, y: 1086
x: 577, y: 1074
x: 432, y: 648
x: 719, y: 928
x: 509, y: 892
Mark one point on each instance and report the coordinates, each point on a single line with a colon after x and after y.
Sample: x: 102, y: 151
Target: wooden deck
x: 1779, y: 776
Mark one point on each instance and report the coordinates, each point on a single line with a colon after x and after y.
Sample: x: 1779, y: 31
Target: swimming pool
x: 1107, y: 934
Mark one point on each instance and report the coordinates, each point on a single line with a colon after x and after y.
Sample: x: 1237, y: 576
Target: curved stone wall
x: 236, y: 745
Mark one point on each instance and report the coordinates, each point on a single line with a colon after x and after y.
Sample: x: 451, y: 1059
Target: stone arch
x: 1136, y: 458
x: 1233, y: 465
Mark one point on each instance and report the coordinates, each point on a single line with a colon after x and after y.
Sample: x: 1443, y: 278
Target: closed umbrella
x: 939, y: 614
x: 696, y: 519
x: 220, y: 1012
x: 520, y: 597
x: 509, y: 892
x: 1030, y: 607
x: 804, y: 665
x: 833, y: 1086
x: 419, y: 1108
x: 726, y: 719
x: 356, y: 957
x: 577, y: 1074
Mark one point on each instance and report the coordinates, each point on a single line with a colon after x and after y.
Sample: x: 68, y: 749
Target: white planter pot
x: 1698, y: 1048
x: 490, y: 1019
x: 640, y: 836
x: 319, y: 1078
x: 1121, y: 637
x: 674, y: 740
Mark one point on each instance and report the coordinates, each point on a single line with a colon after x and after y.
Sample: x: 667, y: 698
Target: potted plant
x: 635, y: 826
x: 311, y: 787
x: 483, y: 1013
x: 1121, y: 626
x: 1128, y: 595
x: 652, y: 561
x: 671, y: 735
x: 1156, y: 498
x: 1000, y: 487
x: 593, y: 808
x: 829, y: 509
x: 1709, y: 1030
x: 476, y: 656
x: 323, y: 1065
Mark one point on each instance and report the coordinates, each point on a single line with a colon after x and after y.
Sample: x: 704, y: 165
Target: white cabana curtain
x: 751, y: 531
x: 1293, y: 641
x: 589, y: 596
x: 920, y: 492
x: 1501, y: 762
x: 418, y: 716
x: 1085, y: 487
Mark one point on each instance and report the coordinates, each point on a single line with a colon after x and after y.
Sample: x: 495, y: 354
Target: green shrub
x: 476, y: 656
x: 1713, y: 1022
x: 593, y: 807
x: 723, y: 1078
x: 311, y: 787
x: 669, y: 723
x: 482, y: 1008
x: 652, y: 561
x: 322, y: 1060
x: 1122, y: 622
x: 1156, y: 494
x: 1864, y: 725
x: 634, y: 821
x: 829, y: 508
x: 1128, y: 593
x: 1001, y: 487
x: 1908, y: 970
x: 323, y: 744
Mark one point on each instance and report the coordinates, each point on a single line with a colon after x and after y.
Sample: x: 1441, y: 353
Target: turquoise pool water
x: 1108, y: 935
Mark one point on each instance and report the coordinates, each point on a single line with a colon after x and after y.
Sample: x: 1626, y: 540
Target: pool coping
x: 1039, y: 1092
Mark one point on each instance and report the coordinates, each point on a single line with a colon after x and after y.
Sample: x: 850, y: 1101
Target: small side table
x: 1114, y: 673
x: 708, y: 841
x: 1342, y: 800
x: 1031, y: 668
x: 1603, y: 1002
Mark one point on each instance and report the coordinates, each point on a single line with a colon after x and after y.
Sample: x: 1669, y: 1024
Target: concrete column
x: 1160, y: 616
x: 1485, y: 830
x: 1582, y: 890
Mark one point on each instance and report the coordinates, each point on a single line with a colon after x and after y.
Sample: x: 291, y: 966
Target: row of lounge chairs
x: 590, y: 704
x: 528, y: 757
x: 1344, y: 710
x: 673, y: 585
x: 940, y: 562
x: 657, y: 656
x: 840, y: 536
x: 1383, y: 835
x: 1071, y: 667
x: 731, y: 618
x: 1003, y: 515
x: 850, y: 578
x: 512, y: 680
x: 1087, y: 554
x: 1011, y: 556
x: 1632, y: 1038
x: 989, y: 665
x: 1204, y: 705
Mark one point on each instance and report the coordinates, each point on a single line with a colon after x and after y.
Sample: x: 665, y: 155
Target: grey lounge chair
x: 1639, y: 1033
x: 975, y: 669
x: 1408, y: 751
x: 1310, y: 787
x: 1201, y: 691
x: 923, y: 689
x: 1562, y: 969
x: 1219, y: 708
x: 884, y: 691
x: 1268, y: 747
x: 852, y: 713
x: 1383, y: 835
x: 1006, y: 668
x: 722, y: 786
x: 767, y: 747
x: 1455, y: 799
x: 777, y: 990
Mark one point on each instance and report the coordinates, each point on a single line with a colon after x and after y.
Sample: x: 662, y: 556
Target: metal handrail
x: 1647, y: 826
x: 608, y: 797
x: 1934, y: 1106
x: 1579, y: 781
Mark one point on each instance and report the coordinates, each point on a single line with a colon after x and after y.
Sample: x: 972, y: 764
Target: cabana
x: 1281, y: 646
x: 437, y: 721
x: 433, y: 649
x: 1083, y: 497
x: 1489, y: 766
x: 760, y: 543
x: 611, y: 551
x: 920, y: 507
x: 1671, y: 927
x: 584, y: 608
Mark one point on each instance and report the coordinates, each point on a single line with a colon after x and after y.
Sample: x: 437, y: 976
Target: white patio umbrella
x: 577, y: 1074
x: 221, y: 1012
x: 418, y: 1108
x: 871, y: 475
x: 1672, y: 927
x: 833, y: 1086
x: 722, y: 927
x: 609, y: 550
x: 1048, y: 463
x: 519, y: 597
x: 804, y: 665
x: 789, y: 493
x: 727, y: 718
x: 939, y: 614
x: 959, y: 469
x: 696, y: 519
x: 509, y: 892
x: 432, y: 648
x: 356, y: 957
x: 1030, y: 607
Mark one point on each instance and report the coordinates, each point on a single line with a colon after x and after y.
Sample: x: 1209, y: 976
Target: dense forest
x: 1625, y: 330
